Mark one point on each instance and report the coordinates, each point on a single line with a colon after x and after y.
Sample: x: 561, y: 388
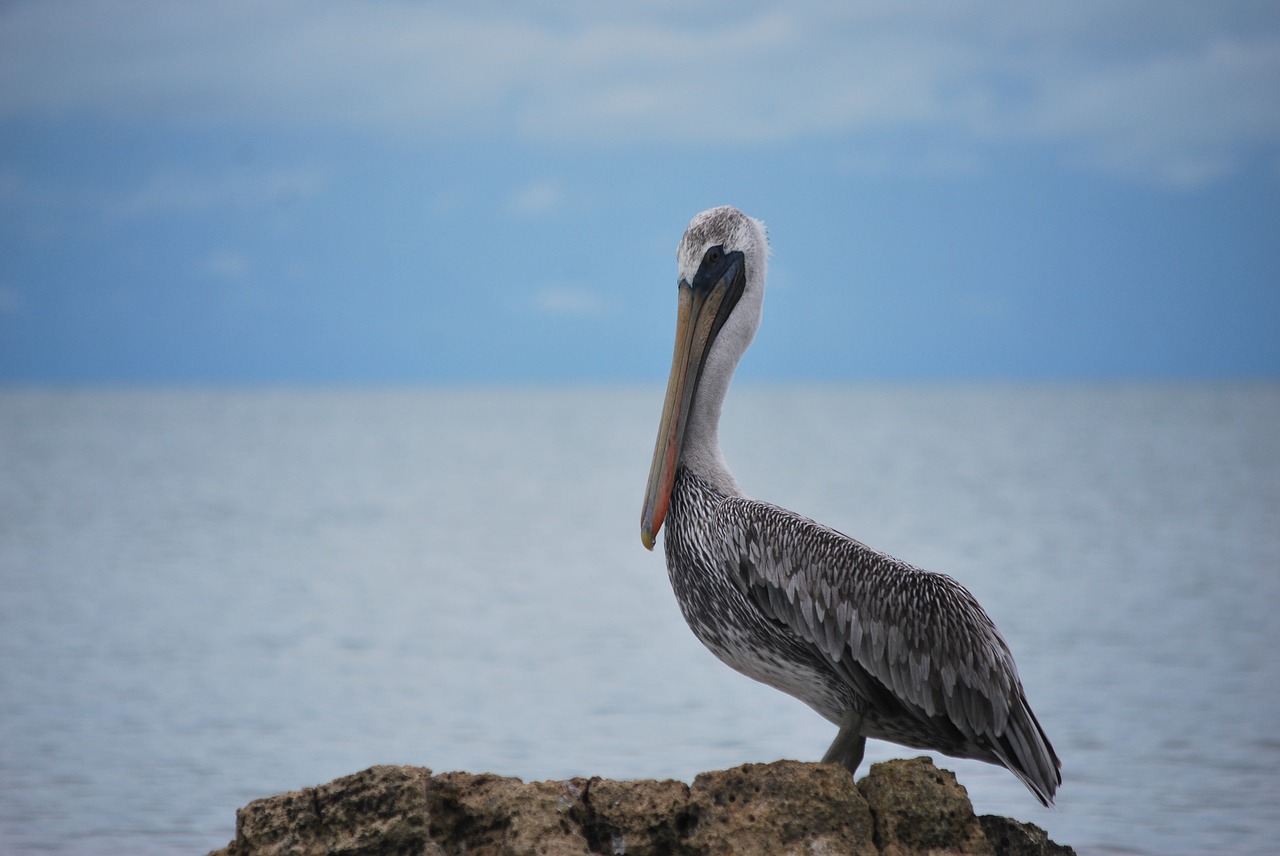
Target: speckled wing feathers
x: 921, y: 636
x: 915, y: 631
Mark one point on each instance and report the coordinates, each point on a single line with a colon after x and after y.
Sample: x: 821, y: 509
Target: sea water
x: 212, y: 596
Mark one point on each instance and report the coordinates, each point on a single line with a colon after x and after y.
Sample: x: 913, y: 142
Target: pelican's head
x: 722, y: 260
x: 733, y: 232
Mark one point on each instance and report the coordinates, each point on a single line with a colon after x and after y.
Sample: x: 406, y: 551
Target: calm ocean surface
x: 212, y: 596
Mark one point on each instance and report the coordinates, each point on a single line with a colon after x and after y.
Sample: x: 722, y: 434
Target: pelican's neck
x: 701, y: 452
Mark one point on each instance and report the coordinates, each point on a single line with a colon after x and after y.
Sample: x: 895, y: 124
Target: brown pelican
x: 876, y: 646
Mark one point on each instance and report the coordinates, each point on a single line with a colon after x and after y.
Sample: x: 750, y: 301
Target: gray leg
x: 846, y: 749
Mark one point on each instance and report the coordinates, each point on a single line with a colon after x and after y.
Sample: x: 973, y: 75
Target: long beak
x: 703, y: 308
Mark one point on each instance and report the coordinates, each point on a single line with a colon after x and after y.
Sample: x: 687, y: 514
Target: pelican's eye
x: 713, y: 255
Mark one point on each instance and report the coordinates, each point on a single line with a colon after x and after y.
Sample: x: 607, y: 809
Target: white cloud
x: 537, y: 198
x: 1178, y: 93
x: 225, y: 264
x: 903, y: 162
x: 568, y: 301
x: 1182, y: 117
x: 165, y: 192
x: 45, y: 208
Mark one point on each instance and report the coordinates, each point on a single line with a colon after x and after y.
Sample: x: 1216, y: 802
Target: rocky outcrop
x: 787, y: 807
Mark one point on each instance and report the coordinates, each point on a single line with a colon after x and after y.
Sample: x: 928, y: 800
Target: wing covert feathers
x: 921, y: 635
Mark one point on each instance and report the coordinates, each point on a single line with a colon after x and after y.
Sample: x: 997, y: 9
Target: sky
x: 394, y: 192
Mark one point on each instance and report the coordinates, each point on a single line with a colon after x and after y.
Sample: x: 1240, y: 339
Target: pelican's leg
x: 846, y: 749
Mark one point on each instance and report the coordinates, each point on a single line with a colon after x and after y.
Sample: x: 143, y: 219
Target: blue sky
x: 386, y: 192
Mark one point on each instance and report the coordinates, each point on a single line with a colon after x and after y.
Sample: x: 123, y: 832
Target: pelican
x: 876, y: 646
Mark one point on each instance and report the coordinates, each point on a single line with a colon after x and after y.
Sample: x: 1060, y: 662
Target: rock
x: 494, y: 814
x: 921, y: 809
x: 639, y: 818
x: 1011, y: 838
x: 381, y: 808
x: 787, y: 807
x: 783, y: 807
